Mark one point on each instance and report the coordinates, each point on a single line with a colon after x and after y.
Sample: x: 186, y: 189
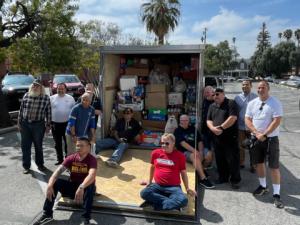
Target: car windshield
x: 18, y: 79
x: 66, y: 79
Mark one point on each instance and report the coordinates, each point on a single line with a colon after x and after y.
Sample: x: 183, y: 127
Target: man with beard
x: 34, y: 119
x: 222, y: 121
x: 61, y: 105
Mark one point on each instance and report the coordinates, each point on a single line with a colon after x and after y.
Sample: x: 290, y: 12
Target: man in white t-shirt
x: 263, y: 117
x: 61, y: 105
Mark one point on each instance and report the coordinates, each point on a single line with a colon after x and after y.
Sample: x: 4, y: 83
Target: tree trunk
x: 161, y: 40
x: 4, y: 115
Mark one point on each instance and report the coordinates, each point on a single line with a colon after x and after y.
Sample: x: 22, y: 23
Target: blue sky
x: 224, y: 19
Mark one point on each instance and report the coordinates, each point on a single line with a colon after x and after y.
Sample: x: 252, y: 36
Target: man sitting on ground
x: 80, y: 187
x: 167, y: 165
x: 185, y: 142
x: 125, y: 132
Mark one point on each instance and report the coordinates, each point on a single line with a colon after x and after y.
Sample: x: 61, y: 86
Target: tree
x: 263, y: 38
x: 297, y: 36
x: 217, y: 58
x: 160, y: 17
x: 22, y: 24
x: 295, y: 60
x: 288, y: 33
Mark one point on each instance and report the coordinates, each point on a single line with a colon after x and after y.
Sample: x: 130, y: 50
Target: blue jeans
x: 120, y: 147
x: 68, y: 189
x: 164, y: 197
x: 32, y: 133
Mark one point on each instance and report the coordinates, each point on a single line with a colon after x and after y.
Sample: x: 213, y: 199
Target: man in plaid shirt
x: 34, y: 120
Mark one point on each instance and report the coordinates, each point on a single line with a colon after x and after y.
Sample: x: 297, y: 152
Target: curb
x: 8, y: 129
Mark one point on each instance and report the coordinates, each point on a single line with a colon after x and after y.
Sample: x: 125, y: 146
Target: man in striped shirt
x: 34, y: 120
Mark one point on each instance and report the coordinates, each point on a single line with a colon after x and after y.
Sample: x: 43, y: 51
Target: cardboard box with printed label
x: 137, y: 71
x: 156, y: 88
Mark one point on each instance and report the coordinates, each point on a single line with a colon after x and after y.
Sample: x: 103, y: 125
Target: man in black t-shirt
x: 188, y: 141
x: 222, y: 121
x: 124, y: 132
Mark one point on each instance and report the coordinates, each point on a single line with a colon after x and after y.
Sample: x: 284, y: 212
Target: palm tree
x: 297, y: 35
x: 160, y: 16
x: 288, y: 34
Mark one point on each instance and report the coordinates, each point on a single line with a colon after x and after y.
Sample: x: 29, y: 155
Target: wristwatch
x: 81, y: 186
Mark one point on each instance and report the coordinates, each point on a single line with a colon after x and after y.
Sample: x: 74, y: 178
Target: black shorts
x: 268, y: 148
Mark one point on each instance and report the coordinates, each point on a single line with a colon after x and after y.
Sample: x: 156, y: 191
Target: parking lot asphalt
x: 22, y: 196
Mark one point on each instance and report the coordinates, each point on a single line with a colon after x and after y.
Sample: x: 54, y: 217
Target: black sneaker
x: 234, y: 185
x: 86, y: 221
x: 277, y: 202
x: 260, y: 191
x: 42, y: 168
x: 206, y: 183
x: 43, y: 219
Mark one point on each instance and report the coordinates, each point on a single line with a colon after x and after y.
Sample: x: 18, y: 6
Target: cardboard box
x: 175, y: 98
x: 153, y: 125
x: 128, y: 82
x: 137, y: 71
x: 162, y: 68
x: 133, y: 106
x: 156, y: 88
x: 156, y: 100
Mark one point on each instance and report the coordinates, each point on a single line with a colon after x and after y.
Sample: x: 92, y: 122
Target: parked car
x: 241, y: 79
x: 293, y: 82
x: 228, y: 79
x: 14, y: 86
x: 74, y: 85
x: 269, y: 79
x: 212, y: 80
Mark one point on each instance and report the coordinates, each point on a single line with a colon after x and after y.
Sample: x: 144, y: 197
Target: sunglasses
x: 262, y: 106
x: 165, y: 144
x: 216, y: 94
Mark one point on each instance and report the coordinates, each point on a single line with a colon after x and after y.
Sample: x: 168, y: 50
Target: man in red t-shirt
x: 167, y: 165
x: 80, y: 187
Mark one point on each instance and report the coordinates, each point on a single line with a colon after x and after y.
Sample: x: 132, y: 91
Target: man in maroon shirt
x: 167, y: 165
x: 80, y: 187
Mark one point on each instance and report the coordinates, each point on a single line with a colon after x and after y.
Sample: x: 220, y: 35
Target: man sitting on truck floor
x: 192, y: 147
x: 167, y: 165
x: 125, y: 132
x: 81, y: 186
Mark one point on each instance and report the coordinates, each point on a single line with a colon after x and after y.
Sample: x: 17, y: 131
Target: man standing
x: 208, y: 99
x: 81, y: 186
x: 188, y: 141
x: 242, y: 101
x: 96, y: 102
x: 61, y: 105
x: 167, y: 166
x: 81, y: 122
x: 263, y: 117
x: 125, y: 132
x: 33, y: 121
x: 222, y: 121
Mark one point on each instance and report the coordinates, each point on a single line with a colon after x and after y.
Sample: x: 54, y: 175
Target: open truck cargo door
x: 121, y: 68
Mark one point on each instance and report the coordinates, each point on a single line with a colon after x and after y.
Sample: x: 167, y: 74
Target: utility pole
x: 203, y: 38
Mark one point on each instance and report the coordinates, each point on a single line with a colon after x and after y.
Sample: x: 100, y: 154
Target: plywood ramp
x: 120, y: 187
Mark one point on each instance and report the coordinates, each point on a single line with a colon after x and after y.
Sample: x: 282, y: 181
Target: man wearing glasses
x: 125, y: 131
x: 263, y: 117
x: 163, y: 189
x: 222, y: 121
x: 189, y: 142
x: 81, y: 185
